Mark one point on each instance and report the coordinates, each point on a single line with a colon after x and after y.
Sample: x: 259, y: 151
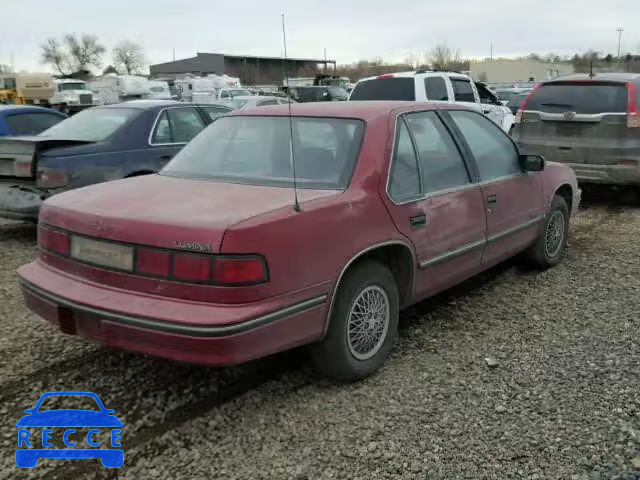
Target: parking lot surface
x: 516, y: 374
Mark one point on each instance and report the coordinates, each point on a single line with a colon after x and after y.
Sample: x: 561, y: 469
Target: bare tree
x: 128, y: 57
x: 54, y: 54
x: 84, y: 50
x: 444, y: 58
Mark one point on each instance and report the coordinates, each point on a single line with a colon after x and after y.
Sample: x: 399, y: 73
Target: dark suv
x: 591, y: 123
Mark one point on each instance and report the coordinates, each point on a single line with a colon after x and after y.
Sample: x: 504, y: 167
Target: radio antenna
x: 296, y: 204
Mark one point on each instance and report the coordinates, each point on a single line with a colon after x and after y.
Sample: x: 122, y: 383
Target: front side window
x: 462, y: 90
x: 93, y: 125
x: 441, y: 164
x: 436, y: 89
x: 256, y: 150
x: 494, y: 153
x: 404, y: 182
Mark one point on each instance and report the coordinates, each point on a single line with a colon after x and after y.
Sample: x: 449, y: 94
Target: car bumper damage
x: 223, y: 334
x: 21, y: 202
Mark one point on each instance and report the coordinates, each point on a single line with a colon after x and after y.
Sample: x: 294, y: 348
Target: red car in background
x: 211, y: 261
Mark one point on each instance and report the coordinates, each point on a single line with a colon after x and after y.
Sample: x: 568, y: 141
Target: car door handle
x: 418, y: 221
x: 492, y: 199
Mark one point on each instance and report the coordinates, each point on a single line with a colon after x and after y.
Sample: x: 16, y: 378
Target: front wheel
x: 549, y: 247
x: 362, y: 326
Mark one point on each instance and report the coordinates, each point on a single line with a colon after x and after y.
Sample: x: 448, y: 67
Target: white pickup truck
x: 435, y: 86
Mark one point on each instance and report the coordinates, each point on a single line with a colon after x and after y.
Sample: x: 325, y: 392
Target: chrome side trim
x: 513, y: 230
x: 153, y: 127
x: 452, y: 254
x: 353, y: 259
x: 190, y: 330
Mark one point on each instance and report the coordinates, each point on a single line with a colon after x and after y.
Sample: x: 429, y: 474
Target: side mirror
x: 532, y: 163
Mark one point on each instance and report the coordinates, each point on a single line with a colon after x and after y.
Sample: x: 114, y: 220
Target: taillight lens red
x: 50, y: 178
x: 524, y: 104
x: 54, y: 240
x: 192, y: 267
x: 239, y: 270
x: 153, y: 262
x: 633, y: 115
x: 386, y: 76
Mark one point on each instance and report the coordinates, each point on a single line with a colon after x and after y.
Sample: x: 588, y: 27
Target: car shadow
x: 613, y: 198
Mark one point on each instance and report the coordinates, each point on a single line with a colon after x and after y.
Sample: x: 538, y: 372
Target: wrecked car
x: 97, y: 145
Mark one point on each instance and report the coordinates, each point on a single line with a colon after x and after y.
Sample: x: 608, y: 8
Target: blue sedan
x: 93, y: 146
x: 27, y: 120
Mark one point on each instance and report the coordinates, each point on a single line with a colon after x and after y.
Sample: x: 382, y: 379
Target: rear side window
x: 585, y: 98
x: 436, y: 89
x: 441, y: 164
x: 404, y: 183
x: 391, y: 88
x: 177, y: 125
x: 462, y: 90
x: 31, y: 123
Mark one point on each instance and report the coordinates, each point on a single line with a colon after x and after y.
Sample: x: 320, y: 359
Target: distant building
x: 250, y: 69
x: 517, y: 71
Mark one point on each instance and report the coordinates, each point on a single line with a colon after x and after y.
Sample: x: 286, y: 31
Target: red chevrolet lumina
x: 214, y: 261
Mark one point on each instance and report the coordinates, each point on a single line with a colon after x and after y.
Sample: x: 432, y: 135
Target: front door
x: 512, y: 196
x: 434, y: 203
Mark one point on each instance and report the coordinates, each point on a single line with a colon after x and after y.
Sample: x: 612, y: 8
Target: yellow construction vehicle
x: 11, y: 97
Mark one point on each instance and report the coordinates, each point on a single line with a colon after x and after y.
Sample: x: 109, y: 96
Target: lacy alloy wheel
x: 554, y: 234
x: 368, y: 322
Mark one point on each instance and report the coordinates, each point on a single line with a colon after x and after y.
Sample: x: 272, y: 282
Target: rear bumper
x: 20, y: 202
x: 131, y: 321
x: 606, y: 174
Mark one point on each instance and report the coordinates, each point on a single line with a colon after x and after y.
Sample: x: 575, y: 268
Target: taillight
x: 386, y: 76
x: 633, y: 116
x: 22, y: 168
x: 191, y: 267
x: 525, y: 102
x: 153, y: 262
x: 51, y: 178
x: 239, y: 270
x: 54, y: 240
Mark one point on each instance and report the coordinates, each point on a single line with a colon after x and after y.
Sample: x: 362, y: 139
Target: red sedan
x: 214, y: 261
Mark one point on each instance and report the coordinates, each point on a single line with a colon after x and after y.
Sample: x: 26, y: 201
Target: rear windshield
x: 579, y: 98
x: 257, y: 151
x: 394, y: 88
x: 93, y: 125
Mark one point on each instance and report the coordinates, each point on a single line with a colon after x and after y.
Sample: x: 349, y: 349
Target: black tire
x: 539, y: 255
x: 333, y: 356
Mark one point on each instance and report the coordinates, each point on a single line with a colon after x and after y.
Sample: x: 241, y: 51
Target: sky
x: 348, y: 30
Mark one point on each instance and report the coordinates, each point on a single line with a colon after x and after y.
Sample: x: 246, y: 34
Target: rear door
x: 435, y: 203
x: 512, y: 197
x: 577, y: 122
x: 464, y: 92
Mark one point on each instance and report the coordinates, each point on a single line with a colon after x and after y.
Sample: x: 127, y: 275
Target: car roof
x: 145, y: 104
x: 414, y: 73
x: 364, y: 110
x: 26, y: 108
x: 606, y: 77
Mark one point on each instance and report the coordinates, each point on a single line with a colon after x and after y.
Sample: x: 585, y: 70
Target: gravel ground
x: 558, y: 397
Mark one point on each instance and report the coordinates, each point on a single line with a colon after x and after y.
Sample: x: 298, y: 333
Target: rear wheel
x: 549, y: 247
x: 363, y: 324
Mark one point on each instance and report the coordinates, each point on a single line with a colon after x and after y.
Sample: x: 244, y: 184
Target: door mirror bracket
x: 532, y: 163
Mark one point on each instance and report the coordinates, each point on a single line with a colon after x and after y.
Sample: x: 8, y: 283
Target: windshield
x: 387, y: 88
x: 256, y: 151
x: 73, y: 86
x: 93, y: 125
x: 338, y: 93
x: 240, y: 93
x: 586, y: 98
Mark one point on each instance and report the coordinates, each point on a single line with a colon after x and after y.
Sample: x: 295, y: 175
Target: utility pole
x: 619, y: 30
x: 491, y: 50
x: 174, y: 54
x: 325, y: 60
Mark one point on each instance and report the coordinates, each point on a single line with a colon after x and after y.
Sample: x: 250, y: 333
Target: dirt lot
x: 562, y: 403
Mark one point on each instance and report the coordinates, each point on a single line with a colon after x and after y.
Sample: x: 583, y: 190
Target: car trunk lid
x: 19, y: 156
x: 165, y: 212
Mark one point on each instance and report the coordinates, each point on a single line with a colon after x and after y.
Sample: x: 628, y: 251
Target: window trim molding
x: 155, y: 122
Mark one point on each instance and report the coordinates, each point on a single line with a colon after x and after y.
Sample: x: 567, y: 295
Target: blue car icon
x: 28, y: 452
